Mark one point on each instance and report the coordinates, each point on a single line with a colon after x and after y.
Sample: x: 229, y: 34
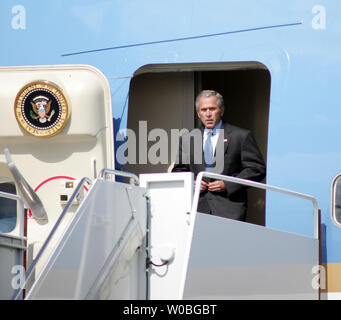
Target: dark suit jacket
x: 237, y: 155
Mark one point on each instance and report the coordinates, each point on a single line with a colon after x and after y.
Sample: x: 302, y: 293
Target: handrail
x: 256, y: 185
x: 42, y: 249
x: 332, y: 200
x: 21, y: 208
x: 29, y: 196
x: 104, y: 172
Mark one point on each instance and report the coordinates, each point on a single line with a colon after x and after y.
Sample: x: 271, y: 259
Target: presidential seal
x: 42, y: 109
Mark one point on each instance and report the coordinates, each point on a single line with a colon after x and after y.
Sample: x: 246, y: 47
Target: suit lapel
x: 227, y: 135
x: 224, y: 139
x: 221, y: 148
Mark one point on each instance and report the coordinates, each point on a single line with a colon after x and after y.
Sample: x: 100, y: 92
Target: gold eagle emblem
x: 41, y: 106
x: 42, y: 109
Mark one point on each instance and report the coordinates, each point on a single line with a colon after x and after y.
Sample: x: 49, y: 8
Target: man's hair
x: 207, y: 94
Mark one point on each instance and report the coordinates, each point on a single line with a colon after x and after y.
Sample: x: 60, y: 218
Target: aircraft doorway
x: 163, y: 97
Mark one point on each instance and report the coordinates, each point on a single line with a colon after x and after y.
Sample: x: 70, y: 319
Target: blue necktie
x: 208, y: 150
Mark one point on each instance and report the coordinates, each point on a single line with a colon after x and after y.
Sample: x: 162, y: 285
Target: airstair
x: 146, y: 240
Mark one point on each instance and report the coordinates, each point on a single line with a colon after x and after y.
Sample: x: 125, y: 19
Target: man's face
x: 209, y: 112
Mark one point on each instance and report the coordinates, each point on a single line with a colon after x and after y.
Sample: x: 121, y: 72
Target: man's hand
x: 216, y: 186
x: 203, y: 185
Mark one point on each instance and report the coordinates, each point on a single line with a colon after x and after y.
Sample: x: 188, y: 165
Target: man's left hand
x: 217, y: 186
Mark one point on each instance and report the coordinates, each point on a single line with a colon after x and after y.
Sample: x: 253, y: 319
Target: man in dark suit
x: 220, y: 148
